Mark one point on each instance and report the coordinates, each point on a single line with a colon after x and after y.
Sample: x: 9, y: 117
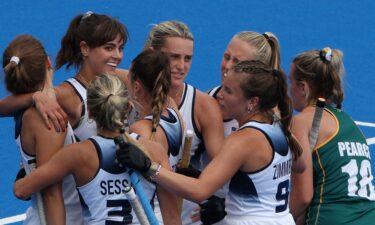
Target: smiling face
x: 237, y: 51
x: 180, y: 53
x: 231, y: 98
x: 105, y: 58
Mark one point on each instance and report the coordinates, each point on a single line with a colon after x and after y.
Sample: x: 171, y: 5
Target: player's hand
x: 213, y: 210
x: 131, y: 156
x: 21, y: 174
x: 50, y: 111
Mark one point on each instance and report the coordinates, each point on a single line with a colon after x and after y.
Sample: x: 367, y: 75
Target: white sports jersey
x: 261, y: 197
x: 102, y: 198
x: 85, y: 128
x: 172, y: 128
x: 186, y: 109
x: 71, y: 199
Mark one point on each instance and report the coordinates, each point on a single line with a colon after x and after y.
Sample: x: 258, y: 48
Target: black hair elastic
x: 108, y: 97
x: 275, y: 73
x: 267, y: 38
x: 122, y: 130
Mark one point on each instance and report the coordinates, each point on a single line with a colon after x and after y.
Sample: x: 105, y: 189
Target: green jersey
x: 343, y: 189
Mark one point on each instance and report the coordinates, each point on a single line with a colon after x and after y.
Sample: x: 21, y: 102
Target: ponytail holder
x: 267, y: 38
x: 275, y: 73
x: 86, y: 15
x: 15, y: 59
x: 122, y: 130
x: 326, y: 54
x: 108, y: 97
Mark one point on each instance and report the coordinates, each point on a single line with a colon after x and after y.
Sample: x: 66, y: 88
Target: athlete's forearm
x: 11, y: 104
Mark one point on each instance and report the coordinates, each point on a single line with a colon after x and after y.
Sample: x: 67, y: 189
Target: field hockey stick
x: 137, y: 207
x: 185, y: 159
x: 136, y: 183
x: 38, y: 196
x: 145, y: 202
x: 320, y: 103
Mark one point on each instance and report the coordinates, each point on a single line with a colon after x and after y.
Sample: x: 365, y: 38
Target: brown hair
x: 29, y: 74
x: 94, y: 29
x: 270, y: 86
x: 152, y: 69
x: 323, y: 77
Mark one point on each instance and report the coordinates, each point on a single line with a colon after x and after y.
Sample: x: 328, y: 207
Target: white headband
x: 15, y: 59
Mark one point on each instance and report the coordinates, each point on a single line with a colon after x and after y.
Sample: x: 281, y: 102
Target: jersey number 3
x: 125, y: 212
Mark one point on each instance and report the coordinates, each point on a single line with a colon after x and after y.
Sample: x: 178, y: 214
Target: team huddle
x: 87, y: 144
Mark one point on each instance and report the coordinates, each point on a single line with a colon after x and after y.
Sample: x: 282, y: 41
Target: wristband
x: 154, y: 170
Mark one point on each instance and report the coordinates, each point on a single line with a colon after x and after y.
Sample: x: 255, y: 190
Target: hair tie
x: 122, y: 130
x: 108, y: 97
x: 267, y: 38
x: 15, y: 59
x: 326, y: 54
x: 86, y: 15
x: 275, y: 73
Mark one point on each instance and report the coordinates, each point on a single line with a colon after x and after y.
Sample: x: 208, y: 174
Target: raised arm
x: 59, y: 166
x: 50, y: 110
x: 52, y: 113
x: 11, y: 104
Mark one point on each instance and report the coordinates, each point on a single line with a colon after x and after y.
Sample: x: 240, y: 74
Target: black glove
x: 190, y: 171
x: 21, y: 174
x: 213, y: 210
x: 131, y: 156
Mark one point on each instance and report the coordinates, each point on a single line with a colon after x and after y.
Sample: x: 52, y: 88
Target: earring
x: 249, y: 109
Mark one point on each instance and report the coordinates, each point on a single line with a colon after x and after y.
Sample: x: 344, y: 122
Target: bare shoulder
x: 32, y: 120
x: 84, y: 151
x: 122, y: 74
x: 206, y: 106
x: 248, y: 136
x: 141, y: 127
x: 205, y: 100
x: 63, y: 90
x: 65, y: 94
x: 303, y: 120
x: 154, y: 149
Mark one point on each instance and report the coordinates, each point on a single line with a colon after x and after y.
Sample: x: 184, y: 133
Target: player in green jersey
x: 336, y: 187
